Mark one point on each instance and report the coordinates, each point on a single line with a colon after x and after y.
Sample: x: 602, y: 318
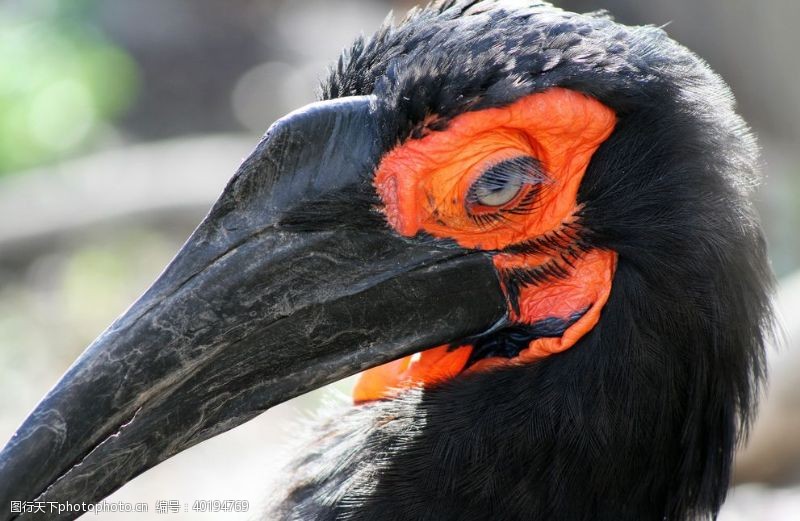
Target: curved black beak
x: 289, y: 283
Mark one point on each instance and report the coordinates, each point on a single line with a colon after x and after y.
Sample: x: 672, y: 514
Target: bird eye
x: 503, y: 181
x: 492, y: 192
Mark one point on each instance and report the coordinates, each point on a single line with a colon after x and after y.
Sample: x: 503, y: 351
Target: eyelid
x: 523, y: 168
x: 527, y: 168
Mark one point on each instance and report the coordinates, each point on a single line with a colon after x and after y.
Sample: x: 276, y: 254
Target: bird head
x: 531, y: 227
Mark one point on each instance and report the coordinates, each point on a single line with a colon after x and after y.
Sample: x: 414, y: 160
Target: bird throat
x: 545, y: 318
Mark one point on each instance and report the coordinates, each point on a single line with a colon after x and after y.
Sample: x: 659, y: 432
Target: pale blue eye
x: 497, y: 192
x: 503, y: 181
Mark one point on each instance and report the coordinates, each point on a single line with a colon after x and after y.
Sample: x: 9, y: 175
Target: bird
x: 531, y: 232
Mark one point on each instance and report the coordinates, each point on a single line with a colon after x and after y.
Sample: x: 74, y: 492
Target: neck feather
x: 637, y: 421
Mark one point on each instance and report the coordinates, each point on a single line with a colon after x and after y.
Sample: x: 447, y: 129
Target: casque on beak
x: 258, y: 306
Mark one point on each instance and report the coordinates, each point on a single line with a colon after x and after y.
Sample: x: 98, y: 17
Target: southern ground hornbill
x: 537, y: 221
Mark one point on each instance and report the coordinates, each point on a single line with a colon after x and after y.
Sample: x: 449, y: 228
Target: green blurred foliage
x: 61, y: 81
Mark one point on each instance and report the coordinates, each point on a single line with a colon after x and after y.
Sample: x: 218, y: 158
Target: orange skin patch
x: 434, y: 365
x: 424, y: 185
x: 587, y: 286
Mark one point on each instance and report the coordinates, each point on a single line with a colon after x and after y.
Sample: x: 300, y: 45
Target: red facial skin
x: 424, y: 183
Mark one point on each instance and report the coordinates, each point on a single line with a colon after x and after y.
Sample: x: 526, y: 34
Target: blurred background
x: 120, y: 122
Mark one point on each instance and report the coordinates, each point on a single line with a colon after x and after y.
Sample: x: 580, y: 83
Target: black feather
x: 640, y: 419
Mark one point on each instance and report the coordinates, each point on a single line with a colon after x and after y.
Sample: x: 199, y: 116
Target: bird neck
x: 631, y: 423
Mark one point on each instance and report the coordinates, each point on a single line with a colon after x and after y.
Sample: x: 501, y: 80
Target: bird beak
x: 279, y: 291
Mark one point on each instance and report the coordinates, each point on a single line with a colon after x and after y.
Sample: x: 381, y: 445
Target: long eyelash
x: 484, y: 220
x: 527, y: 170
x: 527, y: 204
x: 568, y: 235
